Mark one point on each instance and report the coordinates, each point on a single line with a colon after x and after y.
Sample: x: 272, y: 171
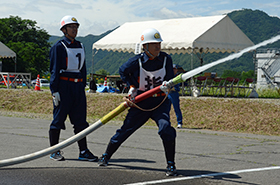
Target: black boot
x: 171, y: 169
x: 111, y: 149
x: 169, y: 148
x: 84, y: 154
x: 54, y: 139
x: 82, y: 143
x: 54, y: 136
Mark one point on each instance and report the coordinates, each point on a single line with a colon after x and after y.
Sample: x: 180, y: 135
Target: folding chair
x: 228, y: 85
x: 235, y: 85
x: 245, y: 86
x: 215, y: 85
x: 200, y: 83
x: 186, y: 87
x: 220, y: 86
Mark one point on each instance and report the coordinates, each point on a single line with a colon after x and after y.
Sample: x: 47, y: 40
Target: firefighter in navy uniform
x: 175, y: 100
x: 142, y: 73
x: 67, y: 85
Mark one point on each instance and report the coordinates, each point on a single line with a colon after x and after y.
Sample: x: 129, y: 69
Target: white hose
x: 44, y: 152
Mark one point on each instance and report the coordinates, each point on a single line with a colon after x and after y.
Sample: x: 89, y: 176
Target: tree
x: 248, y: 74
x: 29, y: 42
x: 230, y: 73
x: 237, y: 74
x: 102, y: 72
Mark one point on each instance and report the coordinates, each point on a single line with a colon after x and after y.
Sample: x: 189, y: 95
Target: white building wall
x: 265, y: 58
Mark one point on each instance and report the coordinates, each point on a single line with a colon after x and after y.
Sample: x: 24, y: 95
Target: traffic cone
x: 105, y: 82
x: 37, y: 86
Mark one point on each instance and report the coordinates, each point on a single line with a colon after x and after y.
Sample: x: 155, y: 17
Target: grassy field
x: 258, y: 116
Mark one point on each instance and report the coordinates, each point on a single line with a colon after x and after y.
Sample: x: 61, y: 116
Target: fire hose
x: 178, y: 79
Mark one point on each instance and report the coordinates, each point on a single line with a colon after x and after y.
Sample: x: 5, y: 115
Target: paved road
x: 202, y: 157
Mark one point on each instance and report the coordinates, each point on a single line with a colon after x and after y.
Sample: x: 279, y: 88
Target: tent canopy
x: 186, y: 35
x: 6, y: 52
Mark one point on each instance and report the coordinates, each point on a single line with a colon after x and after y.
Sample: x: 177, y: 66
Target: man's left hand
x: 165, y: 87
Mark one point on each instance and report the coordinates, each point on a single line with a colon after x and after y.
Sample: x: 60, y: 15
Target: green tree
x: 237, y: 74
x: 230, y: 73
x: 29, y: 42
x: 102, y: 72
x: 248, y: 74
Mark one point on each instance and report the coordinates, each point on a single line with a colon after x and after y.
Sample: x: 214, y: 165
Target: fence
x: 12, y: 80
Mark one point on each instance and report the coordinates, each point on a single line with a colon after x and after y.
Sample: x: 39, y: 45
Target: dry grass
x: 258, y: 116
x: 235, y: 115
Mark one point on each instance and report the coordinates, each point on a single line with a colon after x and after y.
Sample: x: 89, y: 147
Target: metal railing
x: 12, y: 80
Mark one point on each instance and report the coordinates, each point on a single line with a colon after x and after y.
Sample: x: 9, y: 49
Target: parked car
x: 43, y: 82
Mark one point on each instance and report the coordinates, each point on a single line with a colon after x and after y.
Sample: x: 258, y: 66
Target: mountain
x: 256, y: 24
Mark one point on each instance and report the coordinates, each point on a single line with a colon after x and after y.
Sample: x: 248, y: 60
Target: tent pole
x: 15, y: 60
x: 94, y: 53
x: 192, y: 60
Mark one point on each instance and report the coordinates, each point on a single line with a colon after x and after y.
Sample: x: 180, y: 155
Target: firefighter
x: 142, y: 73
x: 67, y: 85
x: 175, y: 100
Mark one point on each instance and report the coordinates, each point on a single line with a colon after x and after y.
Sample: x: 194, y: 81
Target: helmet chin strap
x: 66, y: 34
x: 70, y: 36
x: 147, y: 50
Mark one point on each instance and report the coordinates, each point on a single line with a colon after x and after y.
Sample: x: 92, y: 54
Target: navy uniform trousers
x: 136, y: 118
x: 72, y: 103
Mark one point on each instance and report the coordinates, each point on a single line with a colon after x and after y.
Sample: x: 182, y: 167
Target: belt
x: 159, y: 94
x: 71, y: 79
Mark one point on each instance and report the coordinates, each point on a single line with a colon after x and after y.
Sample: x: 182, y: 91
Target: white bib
x: 76, y: 58
x: 151, y: 79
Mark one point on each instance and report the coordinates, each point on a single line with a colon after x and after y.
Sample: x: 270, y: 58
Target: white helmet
x: 150, y: 35
x: 68, y: 19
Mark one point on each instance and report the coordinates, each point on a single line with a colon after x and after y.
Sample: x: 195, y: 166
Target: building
x: 268, y: 68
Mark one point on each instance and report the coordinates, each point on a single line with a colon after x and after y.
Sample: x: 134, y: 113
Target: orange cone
x: 37, y: 86
x: 105, y: 82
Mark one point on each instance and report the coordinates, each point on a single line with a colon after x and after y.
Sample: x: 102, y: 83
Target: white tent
x: 6, y: 52
x: 186, y: 35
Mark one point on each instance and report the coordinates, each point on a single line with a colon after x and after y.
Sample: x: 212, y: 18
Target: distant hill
x: 256, y: 24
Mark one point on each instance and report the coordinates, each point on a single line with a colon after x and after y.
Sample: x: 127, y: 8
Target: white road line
x: 206, y: 175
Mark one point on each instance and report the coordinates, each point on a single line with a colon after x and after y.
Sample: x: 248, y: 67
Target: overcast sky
x: 98, y: 16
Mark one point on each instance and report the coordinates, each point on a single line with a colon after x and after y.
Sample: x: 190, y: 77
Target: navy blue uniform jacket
x: 58, y: 57
x: 129, y: 71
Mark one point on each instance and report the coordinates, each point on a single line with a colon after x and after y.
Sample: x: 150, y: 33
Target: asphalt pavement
x: 202, y: 157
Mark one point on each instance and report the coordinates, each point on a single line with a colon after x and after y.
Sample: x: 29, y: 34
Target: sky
x: 98, y: 16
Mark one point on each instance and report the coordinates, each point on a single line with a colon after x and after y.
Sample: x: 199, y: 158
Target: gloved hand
x: 56, y: 98
x: 132, y: 92
x: 165, y: 87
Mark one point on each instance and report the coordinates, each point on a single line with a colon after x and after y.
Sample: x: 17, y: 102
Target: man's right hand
x: 56, y: 98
